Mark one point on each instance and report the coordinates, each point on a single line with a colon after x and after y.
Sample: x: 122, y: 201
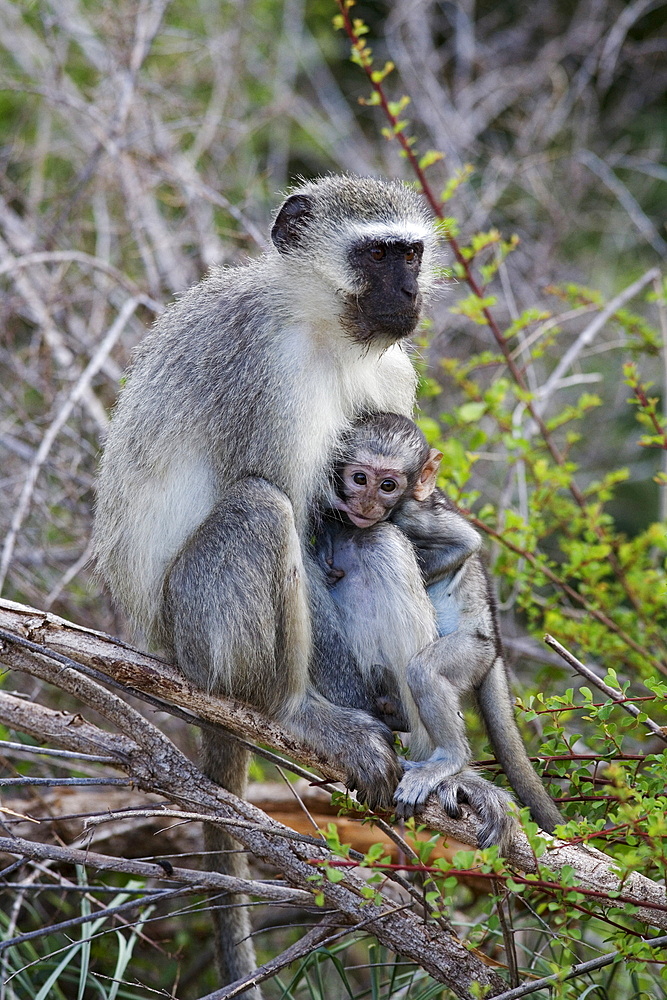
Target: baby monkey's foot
x: 420, y: 779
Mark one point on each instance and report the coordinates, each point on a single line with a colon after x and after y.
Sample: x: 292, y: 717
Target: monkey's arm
x: 249, y: 617
x: 442, y: 537
x: 324, y: 550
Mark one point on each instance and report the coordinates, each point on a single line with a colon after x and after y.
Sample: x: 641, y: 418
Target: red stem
x: 475, y: 873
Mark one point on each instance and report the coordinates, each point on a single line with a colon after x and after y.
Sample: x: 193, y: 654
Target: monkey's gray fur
x: 436, y: 644
x: 218, y: 448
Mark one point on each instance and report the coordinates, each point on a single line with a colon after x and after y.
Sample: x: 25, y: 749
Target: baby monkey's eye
x: 359, y: 478
x: 388, y: 485
x: 378, y: 252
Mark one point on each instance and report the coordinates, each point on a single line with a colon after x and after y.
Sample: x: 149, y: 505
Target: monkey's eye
x: 388, y: 485
x: 378, y: 252
x: 410, y: 255
x: 359, y: 478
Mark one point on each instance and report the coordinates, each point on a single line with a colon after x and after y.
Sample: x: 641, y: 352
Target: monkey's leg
x: 333, y: 715
x: 436, y: 677
x: 239, y: 600
x: 497, y: 709
x: 438, y: 743
x: 237, y: 617
x: 385, y: 615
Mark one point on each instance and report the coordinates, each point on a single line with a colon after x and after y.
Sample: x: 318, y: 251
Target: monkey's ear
x: 428, y: 475
x: 292, y: 217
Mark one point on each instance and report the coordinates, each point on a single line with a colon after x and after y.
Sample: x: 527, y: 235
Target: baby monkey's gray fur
x: 430, y: 647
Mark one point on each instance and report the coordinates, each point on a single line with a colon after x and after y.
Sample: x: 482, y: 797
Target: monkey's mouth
x: 392, y: 326
x: 360, y: 521
x: 366, y: 325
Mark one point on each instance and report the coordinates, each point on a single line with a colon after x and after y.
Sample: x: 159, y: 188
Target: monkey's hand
x: 391, y: 713
x: 363, y: 747
x: 420, y: 779
x: 494, y: 806
x: 372, y: 766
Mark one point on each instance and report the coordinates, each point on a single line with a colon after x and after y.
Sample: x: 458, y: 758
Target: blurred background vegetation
x: 143, y: 142
x: 154, y: 138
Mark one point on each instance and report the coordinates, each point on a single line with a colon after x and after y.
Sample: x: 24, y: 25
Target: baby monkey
x: 404, y: 570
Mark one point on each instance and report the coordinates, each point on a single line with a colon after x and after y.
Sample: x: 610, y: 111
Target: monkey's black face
x: 388, y: 305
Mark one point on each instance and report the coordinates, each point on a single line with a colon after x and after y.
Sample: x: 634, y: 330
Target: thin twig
x: 64, y: 782
x: 588, y: 335
x: 659, y: 290
x: 105, y: 913
x: 627, y: 200
x: 192, y: 817
x: 319, y: 936
x: 79, y: 257
x: 50, y: 752
x: 508, y: 934
x: 67, y: 577
x: 577, y: 970
x: 87, y: 375
x: 154, y: 870
x: 542, y: 567
x: 612, y: 693
x: 237, y: 988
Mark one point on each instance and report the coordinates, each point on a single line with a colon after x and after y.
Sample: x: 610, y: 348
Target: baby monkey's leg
x: 437, y: 677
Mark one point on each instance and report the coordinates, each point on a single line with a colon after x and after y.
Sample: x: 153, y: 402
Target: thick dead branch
x: 156, y: 765
x: 197, y: 880
x: 141, y: 673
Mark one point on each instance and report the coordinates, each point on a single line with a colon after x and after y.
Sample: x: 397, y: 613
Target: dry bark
x: 155, y: 765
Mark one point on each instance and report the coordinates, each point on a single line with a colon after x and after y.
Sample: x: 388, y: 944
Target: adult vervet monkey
x: 220, y: 443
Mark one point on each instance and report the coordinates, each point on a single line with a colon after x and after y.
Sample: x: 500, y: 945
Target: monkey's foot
x: 493, y: 805
x: 421, y: 777
x: 372, y: 766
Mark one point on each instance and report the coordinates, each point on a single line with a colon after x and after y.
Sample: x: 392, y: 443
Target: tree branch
x: 196, y: 880
x: 156, y: 765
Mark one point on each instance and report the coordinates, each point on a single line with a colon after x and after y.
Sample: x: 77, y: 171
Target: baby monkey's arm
x: 442, y: 537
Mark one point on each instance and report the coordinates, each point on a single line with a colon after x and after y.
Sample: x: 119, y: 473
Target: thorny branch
x: 362, y: 55
x: 612, y: 693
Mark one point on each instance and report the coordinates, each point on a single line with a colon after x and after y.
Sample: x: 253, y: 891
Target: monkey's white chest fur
x: 336, y: 381
x: 279, y: 420
x: 378, y: 638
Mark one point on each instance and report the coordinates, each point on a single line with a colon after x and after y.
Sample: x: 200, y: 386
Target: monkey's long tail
x: 226, y: 763
x: 495, y: 703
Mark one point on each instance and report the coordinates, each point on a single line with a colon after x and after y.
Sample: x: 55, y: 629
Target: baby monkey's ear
x: 429, y: 473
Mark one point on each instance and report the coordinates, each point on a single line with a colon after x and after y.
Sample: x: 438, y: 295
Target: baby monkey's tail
x: 497, y: 708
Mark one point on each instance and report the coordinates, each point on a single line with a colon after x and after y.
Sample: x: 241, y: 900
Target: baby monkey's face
x: 368, y: 494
